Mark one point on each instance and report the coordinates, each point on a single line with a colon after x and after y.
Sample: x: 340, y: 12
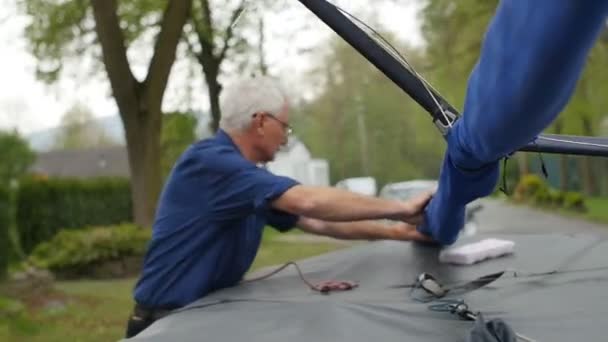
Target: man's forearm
x: 332, y: 204
x: 359, y: 230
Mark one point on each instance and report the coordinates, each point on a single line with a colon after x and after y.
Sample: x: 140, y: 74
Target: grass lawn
x: 96, y: 310
x: 597, y: 209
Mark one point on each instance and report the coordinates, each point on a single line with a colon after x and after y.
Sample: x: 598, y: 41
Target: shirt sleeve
x: 247, y: 191
x: 281, y: 220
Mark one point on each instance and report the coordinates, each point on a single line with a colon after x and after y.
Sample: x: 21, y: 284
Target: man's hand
x: 407, y: 232
x: 414, y: 208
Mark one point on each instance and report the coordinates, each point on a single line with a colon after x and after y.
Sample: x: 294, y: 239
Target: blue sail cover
x: 531, y: 59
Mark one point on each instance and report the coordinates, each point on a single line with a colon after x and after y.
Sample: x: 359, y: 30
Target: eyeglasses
x: 286, y: 127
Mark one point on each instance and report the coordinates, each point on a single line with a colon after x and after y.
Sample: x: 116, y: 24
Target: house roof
x: 83, y: 163
x: 98, y: 162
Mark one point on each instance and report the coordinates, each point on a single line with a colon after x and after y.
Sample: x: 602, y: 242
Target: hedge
x: 44, y: 206
x: 5, y: 221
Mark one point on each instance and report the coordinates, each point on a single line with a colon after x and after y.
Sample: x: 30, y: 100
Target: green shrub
x: 530, y: 188
x: 79, y: 252
x: 556, y: 198
x: 574, y: 201
x: 542, y: 196
x: 45, y: 206
x: 5, y: 222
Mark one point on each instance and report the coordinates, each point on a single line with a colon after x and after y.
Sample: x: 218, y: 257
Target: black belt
x: 144, y: 313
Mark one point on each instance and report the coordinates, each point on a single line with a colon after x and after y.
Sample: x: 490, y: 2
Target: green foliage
x: 556, y: 197
x: 453, y: 30
x: 532, y: 189
x: 76, y: 251
x: 61, y: 33
x: 179, y: 131
x: 45, y: 206
x: 5, y: 222
x: 597, y: 209
x: 63, y: 30
x: 16, y: 158
x: 14, y: 320
x: 574, y: 201
x: 381, y: 131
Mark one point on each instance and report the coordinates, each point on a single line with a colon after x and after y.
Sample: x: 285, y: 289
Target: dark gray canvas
x: 558, y: 307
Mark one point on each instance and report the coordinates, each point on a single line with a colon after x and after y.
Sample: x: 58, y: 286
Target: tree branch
x: 123, y: 83
x: 176, y: 15
x: 191, y: 48
x: 229, y: 30
x: 204, y: 29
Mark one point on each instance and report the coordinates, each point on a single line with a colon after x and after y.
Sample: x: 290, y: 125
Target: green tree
x: 453, y: 31
x: 17, y: 157
x: 179, y: 131
x: 381, y: 131
x: 219, y: 30
x: 59, y: 32
x: 79, y: 130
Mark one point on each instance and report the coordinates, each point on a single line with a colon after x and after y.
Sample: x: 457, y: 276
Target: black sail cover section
x: 413, y: 86
x: 559, y: 307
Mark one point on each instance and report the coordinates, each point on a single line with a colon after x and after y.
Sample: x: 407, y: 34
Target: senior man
x: 218, y: 199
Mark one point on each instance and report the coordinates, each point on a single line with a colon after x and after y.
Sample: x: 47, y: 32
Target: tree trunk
x: 143, y: 148
x: 263, y: 66
x: 214, y: 87
x: 587, y: 174
x: 605, y: 171
x: 211, y: 54
x: 522, y: 164
x: 140, y: 102
x: 563, y: 159
x: 563, y: 173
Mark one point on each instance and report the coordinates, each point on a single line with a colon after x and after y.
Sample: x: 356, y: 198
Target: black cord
x: 542, y: 166
x: 324, y: 287
x: 503, y: 187
x: 279, y: 269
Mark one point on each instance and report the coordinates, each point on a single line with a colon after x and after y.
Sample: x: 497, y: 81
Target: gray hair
x: 240, y: 100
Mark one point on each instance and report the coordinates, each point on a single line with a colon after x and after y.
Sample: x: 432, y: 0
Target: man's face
x: 276, y: 130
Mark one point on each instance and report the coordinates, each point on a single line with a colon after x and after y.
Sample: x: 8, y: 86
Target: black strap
x: 503, y: 188
x: 432, y: 289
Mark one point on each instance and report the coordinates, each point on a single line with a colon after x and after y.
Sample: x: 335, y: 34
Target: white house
x: 295, y: 161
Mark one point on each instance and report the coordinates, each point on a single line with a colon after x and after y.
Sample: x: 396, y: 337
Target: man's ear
x: 258, y: 123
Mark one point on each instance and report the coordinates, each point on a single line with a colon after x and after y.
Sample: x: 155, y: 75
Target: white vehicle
x: 408, y: 189
x: 362, y: 185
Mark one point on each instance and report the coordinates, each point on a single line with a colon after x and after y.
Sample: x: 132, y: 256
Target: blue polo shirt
x: 209, y: 223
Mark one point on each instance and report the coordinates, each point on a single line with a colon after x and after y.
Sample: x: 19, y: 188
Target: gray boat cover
x: 564, y: 306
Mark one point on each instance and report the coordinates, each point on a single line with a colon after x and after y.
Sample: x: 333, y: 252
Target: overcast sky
x: 29, y: 105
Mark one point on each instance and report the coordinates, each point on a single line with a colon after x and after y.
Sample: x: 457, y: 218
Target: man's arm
x: 331, y: 204
x: 362, y: 230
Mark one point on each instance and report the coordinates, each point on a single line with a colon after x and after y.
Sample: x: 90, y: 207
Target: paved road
x: 501, y: 216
